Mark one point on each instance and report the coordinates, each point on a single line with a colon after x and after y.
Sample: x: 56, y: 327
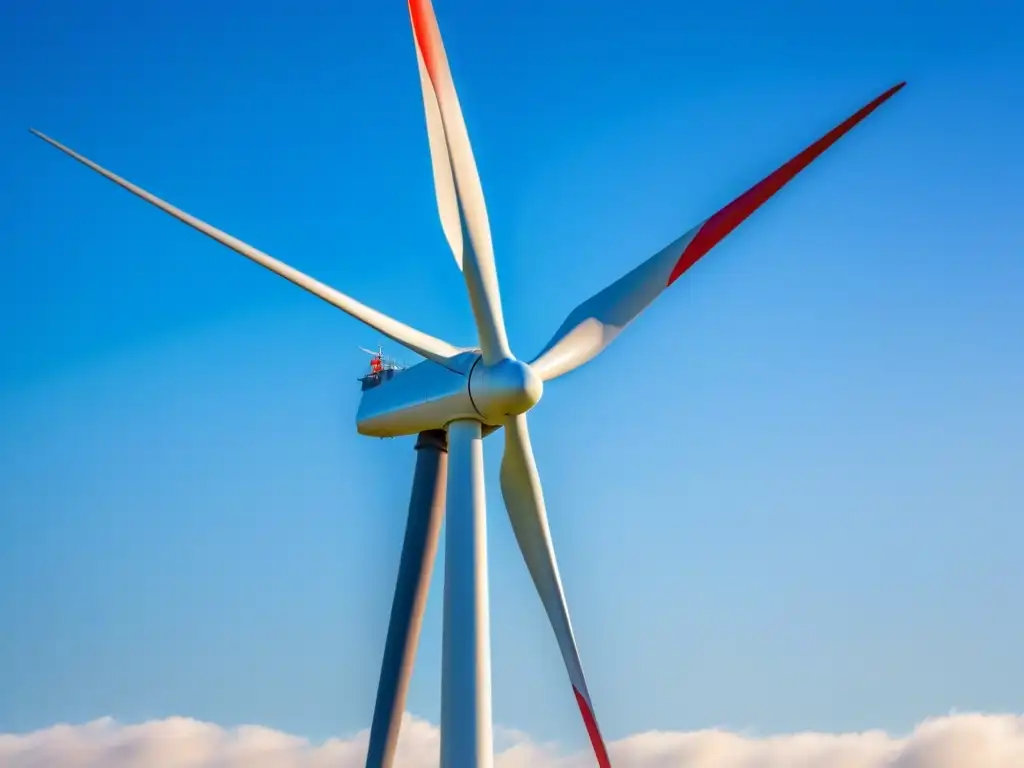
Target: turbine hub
x: 507, y: 388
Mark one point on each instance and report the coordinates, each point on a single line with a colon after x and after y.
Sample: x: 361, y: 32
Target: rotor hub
x: 507, y: 388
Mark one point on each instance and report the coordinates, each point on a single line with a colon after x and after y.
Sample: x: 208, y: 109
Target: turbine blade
x: 429, y: 347
x: 426, y: 512
x: 524, y: 500
x: 441, y: 165
x: 595, y: 323
x: 460, y: 198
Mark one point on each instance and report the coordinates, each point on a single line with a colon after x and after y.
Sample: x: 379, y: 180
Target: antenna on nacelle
x: 381, y: 368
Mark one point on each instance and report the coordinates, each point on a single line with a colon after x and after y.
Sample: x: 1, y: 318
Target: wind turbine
x: 458, y: 395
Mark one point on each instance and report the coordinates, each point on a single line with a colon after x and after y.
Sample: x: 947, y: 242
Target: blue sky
x: 788, y: 498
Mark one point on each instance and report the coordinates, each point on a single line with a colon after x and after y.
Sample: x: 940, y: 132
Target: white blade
x: 595, y: 323
x: 520, y: 487
x: 460, y: 198
x: 433, y: 349
x: 441, y: 164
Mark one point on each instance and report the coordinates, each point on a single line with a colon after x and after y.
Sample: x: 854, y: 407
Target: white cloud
x: 956, y: 741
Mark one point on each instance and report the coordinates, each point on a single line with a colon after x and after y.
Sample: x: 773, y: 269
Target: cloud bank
x: 956, y: 741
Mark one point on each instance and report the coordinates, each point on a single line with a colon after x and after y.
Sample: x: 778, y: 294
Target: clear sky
x: 789, y: 497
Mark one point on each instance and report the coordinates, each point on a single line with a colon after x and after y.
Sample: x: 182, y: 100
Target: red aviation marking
x: 715, y: 229
x: 592, y: 731
x: 421, y: 13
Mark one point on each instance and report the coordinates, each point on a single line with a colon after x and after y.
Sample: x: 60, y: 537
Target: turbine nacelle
x: 430, y: 396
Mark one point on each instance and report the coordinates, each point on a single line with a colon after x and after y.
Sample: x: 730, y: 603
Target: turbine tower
x: 458, y: 395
